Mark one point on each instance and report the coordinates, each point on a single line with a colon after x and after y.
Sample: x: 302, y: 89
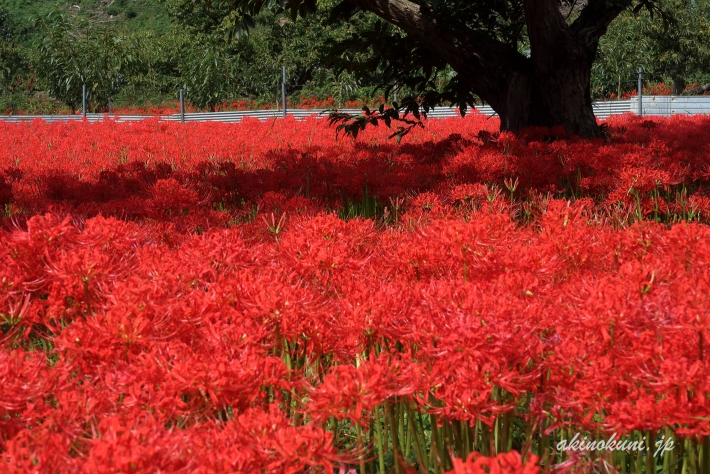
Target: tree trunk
x: 562, y: 67
x: 551, y: 87
x: 548, y: 97
x: 678, y: 85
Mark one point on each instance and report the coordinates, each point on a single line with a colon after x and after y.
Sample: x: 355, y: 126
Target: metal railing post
x: 640, y: 91
x: 83, y: 100
x: 283, y: 90
x: 182, y: 105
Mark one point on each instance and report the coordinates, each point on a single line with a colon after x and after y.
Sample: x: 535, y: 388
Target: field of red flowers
x: 268, y: 297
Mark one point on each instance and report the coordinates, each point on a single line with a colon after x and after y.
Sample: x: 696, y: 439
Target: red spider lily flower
x: 504, y: 463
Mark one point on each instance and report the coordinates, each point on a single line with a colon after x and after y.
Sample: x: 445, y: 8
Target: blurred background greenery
x: 136, y: 55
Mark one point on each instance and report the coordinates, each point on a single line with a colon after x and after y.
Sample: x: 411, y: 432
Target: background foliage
x: 677, y: 54
x: 132, y: 53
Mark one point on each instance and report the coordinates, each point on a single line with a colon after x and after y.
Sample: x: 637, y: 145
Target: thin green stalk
x: 358, y: 430
x: 435, y: 457
x: 495, y: 448
x: 419, y: 439
x: 637, y: 463
x: 620, y: 462
x: 466, y: 431
x: 378, y: 439
x: 396, y: 455
x: 486, y: 440
x: 506, y: 433
x: 692, y: 456
x: 405, y: 423
x: 670, y: 457
x: 476, y: 446
x: 680, y: 467
x: 447, y: 438
x: 411, y: 432
x: 434, y: 444
x: 457, y: 432
x: 528, y: 444
x: 544, y: 446
x: 650, y: 460
x: 372, y: 442
x: 335, y: 430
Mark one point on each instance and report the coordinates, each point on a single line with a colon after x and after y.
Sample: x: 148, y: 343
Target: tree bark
x: 562, y: 62
x: 484, y: 62
x: 678, y: 85
x: 551, y: 87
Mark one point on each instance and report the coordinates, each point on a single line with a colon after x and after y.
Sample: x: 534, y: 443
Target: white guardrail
x: 671, y: 105
x: 235, y: 116
x: 651, y: 105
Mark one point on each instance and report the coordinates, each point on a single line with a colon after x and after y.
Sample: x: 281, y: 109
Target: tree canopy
x: 534, y: 62
x: 679, y: 52
x: 529, y: 59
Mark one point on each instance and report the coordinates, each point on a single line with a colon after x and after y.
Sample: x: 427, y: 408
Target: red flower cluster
x: 507, y: 463
x: 185, y: 297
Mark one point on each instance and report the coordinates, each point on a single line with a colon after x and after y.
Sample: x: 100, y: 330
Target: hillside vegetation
x: 131, y: 15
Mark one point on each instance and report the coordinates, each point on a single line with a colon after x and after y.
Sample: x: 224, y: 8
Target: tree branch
x: 550, y: 37
x: 698, y: 90
x: 595, y: 18
x: 485, y: 62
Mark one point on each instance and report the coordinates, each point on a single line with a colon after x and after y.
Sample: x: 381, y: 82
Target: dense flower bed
x: 264, y: 297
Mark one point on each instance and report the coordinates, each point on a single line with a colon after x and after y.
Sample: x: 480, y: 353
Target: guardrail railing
x: 652, y: 105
